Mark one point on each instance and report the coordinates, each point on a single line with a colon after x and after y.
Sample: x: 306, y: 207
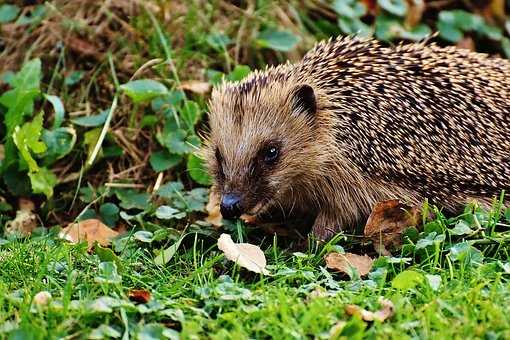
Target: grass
x: 449, y: 280
x: 201, y: 295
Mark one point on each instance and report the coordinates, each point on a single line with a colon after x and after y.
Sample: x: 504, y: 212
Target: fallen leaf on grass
x: 196, y: 86
x: 25, y: 221
x: 139, y: 295
x: 387, y: 311
x: 345, y: 262
x: 91, y: 230
x: 213, y: 210
x: 388, y: 220
x: 246, y: 255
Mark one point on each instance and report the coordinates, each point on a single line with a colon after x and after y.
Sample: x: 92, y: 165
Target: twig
x: 106, y: 125
x: 124, y: 185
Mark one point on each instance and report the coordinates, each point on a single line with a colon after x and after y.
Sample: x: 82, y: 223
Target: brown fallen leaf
x: 415, y: 10
x: 82, y: 46
x: 246, y: 255
x: 91, y: 230
x: 25, y: 221
x: 371, y: 6
x: 387, y: 311
x: 344, y: 263
x: 213, y: 210
x: 196, y: 86
x: 494, y: 11
x: 466, y: 43
x: 139, y: 295
x: 388, y: 220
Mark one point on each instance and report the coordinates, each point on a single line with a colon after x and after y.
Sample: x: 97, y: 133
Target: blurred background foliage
x: 102, y: 102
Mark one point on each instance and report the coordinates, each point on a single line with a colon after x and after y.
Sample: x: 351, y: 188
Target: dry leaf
x: 213, y: 210
x: 388, y: 220
x: 139, y: 295
x: 90, y: 230
x: 25, y: 221
x: 387, y: 311
x: 414, y: 12
x: 466, y: 43
x: 245, y: 255
x: 371, y: 6
x: 82, y: 46
x: 344, y: 262
x: 196, y: 86
x: 495, y: 11
x: 42, y: 298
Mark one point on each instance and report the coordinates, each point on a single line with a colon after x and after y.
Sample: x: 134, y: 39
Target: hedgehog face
x: 261, y: 141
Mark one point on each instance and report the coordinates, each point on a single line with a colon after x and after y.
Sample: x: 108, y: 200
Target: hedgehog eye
x: 271, y: 154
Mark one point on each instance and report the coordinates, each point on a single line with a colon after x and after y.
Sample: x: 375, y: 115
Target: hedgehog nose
x: 230, y: 206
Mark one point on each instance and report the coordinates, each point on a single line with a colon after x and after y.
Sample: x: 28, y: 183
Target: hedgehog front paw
x: 324, y: 228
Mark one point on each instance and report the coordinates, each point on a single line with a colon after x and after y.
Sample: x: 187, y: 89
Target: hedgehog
x: 355, y: 123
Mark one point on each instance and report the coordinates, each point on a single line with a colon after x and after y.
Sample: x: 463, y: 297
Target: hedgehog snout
x: 231, y: 205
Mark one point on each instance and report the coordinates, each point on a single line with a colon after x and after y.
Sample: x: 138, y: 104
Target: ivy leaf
x: 58, y: 106
x: 417, y: 33
x: 91, y: 121
x: 197, y: 171
x: 165, y: 212
x: 193, y: 200
x: 277, y: 40
x: 466, y: 254
x: 33, y: 17
x: 190, y: 114
x: 395, y: 7
x: 144, y: 236
x: 8, y: 13
x: 131, y: 199
x: 43, y: 181
x: 143, y: 90
x: 461, y: 228
x: 164, y: 160
x: 20, y: 100
x: 108, y: 273
x: 109, y: 213
x: 354, y: 26
x: 178, y: 141
x: 350, y: 9
x: 407, y: 279
x: 59, y: 143
x: 170, y: 190
x: 27, y: 137
x: 449, y: 32
x: 431, y: 239
x: 239, y: 73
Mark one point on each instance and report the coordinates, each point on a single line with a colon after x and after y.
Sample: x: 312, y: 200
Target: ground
x: 102, y: 105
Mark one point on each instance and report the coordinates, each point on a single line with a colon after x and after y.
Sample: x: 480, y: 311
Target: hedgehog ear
x: 303, y: 101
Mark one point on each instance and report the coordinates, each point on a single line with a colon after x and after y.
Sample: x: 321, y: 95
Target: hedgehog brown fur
x: 354, y: 123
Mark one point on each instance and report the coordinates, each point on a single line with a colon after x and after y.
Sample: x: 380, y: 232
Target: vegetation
x: 101, y: 108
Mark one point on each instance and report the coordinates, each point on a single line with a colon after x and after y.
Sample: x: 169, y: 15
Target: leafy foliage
x: 55, y: 106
